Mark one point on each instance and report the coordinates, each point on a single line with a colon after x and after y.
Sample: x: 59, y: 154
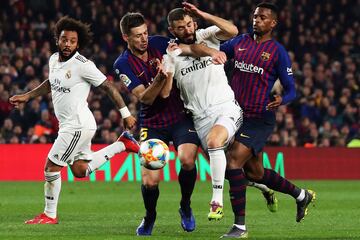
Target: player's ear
x: 171, y: 30
x: 273, y: 23
x: 195, y: 25
x: 125, y: 37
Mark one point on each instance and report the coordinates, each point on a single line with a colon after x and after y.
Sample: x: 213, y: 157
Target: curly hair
x: 70, y: 24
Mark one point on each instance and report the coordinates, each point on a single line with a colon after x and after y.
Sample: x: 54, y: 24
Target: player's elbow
x: 233, y: 32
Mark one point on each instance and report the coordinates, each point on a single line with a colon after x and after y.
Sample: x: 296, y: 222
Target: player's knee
x: 214, y: 142
x: 79, y: 173
x: 187, y: 161
x: 151, y: 184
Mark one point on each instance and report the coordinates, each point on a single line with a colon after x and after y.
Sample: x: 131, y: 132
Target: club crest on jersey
x: 265, y: 56
x: 68, y: 74
x: 125, y: 79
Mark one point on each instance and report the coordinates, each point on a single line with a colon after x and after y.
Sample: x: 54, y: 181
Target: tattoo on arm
x: 109, y: 88
x: 42, y: 89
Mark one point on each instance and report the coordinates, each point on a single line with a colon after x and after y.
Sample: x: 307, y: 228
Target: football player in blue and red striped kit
x: 259, y: 61
x: 161, y: 116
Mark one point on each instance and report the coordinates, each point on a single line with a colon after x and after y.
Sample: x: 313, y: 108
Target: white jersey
x: 70, y: 83
x: 202, y: 84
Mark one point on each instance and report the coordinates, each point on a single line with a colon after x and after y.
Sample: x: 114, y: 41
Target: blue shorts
x: 179, y: 133
x: 254, y: 133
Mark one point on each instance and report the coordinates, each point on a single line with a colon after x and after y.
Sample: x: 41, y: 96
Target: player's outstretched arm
x: 200, y: 50
x: 116, y: 98
x: 227, y: 29
x: 42, y: 89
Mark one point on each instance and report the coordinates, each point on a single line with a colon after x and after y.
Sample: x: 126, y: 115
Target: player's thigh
x: 227, y: 123
x: 71, y: 146
x: 254, y: 133
x: 237, y: 155
x: 184, y: 132
x: 155, y: 133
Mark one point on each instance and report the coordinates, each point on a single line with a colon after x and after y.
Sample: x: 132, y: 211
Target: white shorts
x: 228, y: 115
x: 71, y: 146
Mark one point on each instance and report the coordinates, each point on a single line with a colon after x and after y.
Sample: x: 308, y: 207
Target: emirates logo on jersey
x: 265, y: 56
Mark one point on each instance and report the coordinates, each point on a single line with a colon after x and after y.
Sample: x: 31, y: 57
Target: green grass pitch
x: 100, y: 210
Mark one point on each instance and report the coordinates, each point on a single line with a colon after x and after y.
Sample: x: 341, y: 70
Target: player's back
x: 202, y: 84
x: 133, y: 72
x: 70, y: 83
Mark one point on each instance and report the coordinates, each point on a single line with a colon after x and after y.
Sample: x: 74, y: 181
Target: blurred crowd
x: 322, y: 37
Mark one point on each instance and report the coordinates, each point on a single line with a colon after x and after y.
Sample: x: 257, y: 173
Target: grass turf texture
x: 113, y: 211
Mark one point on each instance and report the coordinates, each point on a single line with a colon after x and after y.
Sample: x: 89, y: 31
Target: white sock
x: 242, y: 227
x: 217, y: 166
x: 259, y: 186
x: 301, y: 196
x: 52, y: 189
x: 103, y: 155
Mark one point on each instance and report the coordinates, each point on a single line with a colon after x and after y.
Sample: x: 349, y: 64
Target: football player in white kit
x: 205, y: 92
x: 70, y: 78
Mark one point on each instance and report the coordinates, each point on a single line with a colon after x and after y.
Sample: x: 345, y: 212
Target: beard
x: 188, y: 41
x: 64, y: 57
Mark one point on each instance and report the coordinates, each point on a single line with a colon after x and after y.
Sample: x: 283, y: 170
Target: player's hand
x: 16, y: 100
x: 274, y: 104
x: 173, y: 49
x: 218, y: 57
x: 192, y: 9
x: 130, y: 122
x: 161, y: 72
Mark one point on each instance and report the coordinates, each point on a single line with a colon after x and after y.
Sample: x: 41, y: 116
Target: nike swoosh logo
x: 140, y: 74
x: 244, y: 136
x: 241, y: 49
x: 190, y: 130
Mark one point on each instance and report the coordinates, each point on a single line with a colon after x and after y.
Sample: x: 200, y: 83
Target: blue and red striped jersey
x: 256, y: 68
x: 133, y: 72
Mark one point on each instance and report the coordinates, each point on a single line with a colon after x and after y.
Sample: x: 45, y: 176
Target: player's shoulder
x: 53, y: 57
x: 158, y: 38
x: 80, y: 59
x: 121, y: 60
x: 279, y: 47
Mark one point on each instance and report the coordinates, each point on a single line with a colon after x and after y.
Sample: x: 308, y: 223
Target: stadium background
x: 317, y: 129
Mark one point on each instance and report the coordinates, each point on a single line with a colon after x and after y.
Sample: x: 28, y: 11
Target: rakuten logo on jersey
x: 250, y: 68
x: 196, y: 65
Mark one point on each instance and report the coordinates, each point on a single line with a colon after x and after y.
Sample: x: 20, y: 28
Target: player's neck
x: 142, y: 55
x: 261, y: 38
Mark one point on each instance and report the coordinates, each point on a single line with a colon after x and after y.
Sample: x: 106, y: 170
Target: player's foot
x: 271, y: 201
x: 145, y: 228
x: 187, y: 220
x: 129, y: 141
x: 42, y: 219
x: 216, y: 211
x: 302, y: 206
x: 235, y: 232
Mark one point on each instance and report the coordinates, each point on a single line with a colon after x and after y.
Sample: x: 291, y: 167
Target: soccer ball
x: 154, y: 154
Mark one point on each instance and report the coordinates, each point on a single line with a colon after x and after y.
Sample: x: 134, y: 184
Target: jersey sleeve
x: 284, y: 70
x: 159, y: 42
x: 126, y: 75
x: 92, y: 74
x: 208, y: 34
x: 228, y: 47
